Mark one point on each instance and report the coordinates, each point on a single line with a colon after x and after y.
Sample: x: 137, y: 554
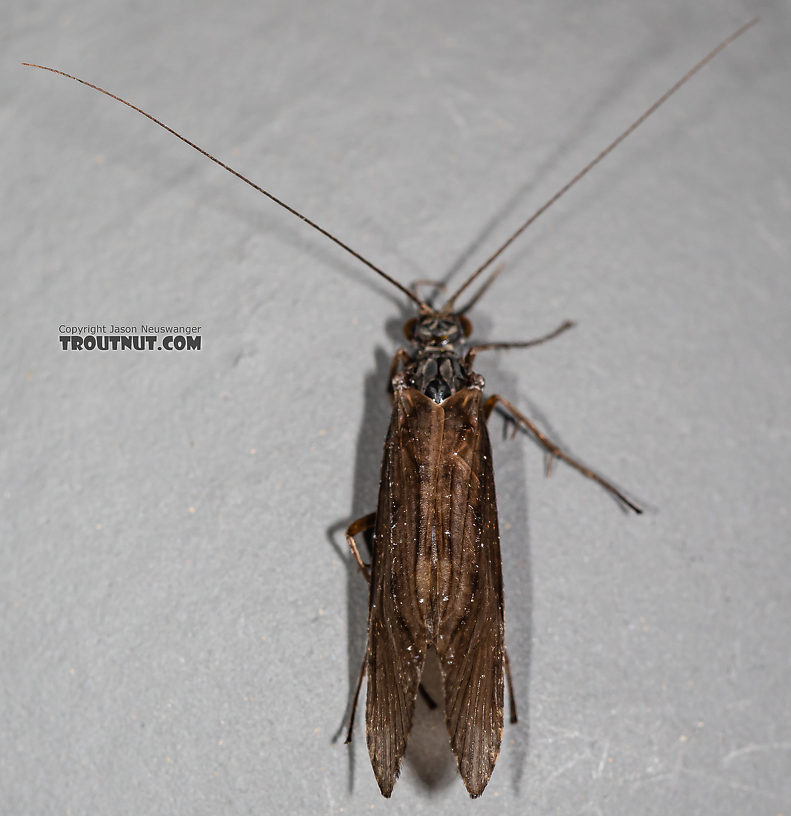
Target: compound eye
x: 409, y: 328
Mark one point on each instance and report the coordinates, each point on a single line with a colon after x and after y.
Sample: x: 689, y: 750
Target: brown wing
x: 470, y: 631
x: 399, y: 600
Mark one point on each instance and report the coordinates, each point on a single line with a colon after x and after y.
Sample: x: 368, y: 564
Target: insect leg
x: 399, y: 358
x: 360, y: 526
x: 511, y: 697
x: 356, y: 695
x: 565, y: 326
x: 556, y: 452
x: 423, y: 693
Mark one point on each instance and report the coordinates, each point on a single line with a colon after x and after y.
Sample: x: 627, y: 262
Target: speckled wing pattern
x: 470, y: 632
x: 436, y: 581
x: 398, y: 606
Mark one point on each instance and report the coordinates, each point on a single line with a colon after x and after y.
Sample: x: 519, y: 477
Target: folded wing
x: 400, y: 575
x: 470, y: 641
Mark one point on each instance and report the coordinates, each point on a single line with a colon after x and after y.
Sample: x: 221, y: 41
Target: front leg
x: 556, y: 452
x: 400, y: 358
x: 537, y: 341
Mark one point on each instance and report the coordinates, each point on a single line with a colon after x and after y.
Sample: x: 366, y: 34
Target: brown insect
x: 436, y: 574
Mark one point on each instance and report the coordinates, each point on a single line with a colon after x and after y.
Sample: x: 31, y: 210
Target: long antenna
x: 246, y: 180
x: 610, y: 147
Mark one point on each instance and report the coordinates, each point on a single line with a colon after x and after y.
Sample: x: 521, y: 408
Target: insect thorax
x: 436, y: 368
x: 437, y: 373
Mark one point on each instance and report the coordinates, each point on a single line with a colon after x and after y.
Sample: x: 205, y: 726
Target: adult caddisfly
x: 436, y: 575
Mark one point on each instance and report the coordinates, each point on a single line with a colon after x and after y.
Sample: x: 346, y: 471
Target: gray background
x: 181, y: 623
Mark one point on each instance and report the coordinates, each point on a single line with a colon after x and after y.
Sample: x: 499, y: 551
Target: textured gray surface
x: 181, y: 625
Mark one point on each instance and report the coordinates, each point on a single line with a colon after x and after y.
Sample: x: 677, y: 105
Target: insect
x: 435, y: 574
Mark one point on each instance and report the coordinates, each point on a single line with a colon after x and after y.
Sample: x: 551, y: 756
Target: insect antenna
x: 481, y: 291
x: 591, y: 164
x: 246, y: 180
